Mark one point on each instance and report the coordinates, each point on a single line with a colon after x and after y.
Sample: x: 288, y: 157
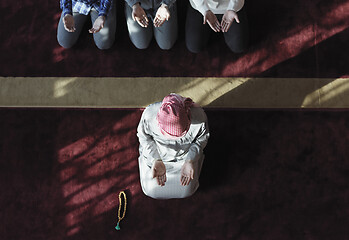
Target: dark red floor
x: 290, y: 38
x: 268, y: 174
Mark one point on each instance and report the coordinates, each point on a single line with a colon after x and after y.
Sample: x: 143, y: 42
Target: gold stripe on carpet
x: 138, y: 92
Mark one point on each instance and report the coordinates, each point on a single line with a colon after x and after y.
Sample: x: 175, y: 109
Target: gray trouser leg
x: 197, y: 34
x: 167, y: 34
x: 140, y: 37
x: 68, y: 39
x: 104, y: 39
x: 237, y: 36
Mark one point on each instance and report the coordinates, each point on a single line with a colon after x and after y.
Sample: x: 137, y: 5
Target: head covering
x: 174, y: 115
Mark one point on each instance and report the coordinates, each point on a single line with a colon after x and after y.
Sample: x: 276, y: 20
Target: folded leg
x: 68, y: 39
x: 104, y: 39
x: 167, y: 34
x: 140, y: 36
x: 173, y: 187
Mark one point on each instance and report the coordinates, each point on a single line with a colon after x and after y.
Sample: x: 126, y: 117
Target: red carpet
x: 268, y: 174
x: 290, y: 38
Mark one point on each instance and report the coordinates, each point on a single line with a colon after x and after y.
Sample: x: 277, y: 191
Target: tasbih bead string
x: 122, y: 193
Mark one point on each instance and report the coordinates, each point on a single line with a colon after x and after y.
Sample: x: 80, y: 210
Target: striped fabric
x: 174, y: 115
x: 83, y: 8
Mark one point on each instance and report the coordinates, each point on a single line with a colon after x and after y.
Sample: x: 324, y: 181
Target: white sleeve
x: 147, y: 145
x: 236, y: 5
x: 199, y: 143
x: 201, y: 6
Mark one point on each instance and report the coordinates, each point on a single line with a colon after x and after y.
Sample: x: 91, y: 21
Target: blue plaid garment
x: 85, y: 6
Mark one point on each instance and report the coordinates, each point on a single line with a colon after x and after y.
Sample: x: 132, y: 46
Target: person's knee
x: 104, y: 45
x: 237, y: 45
x: 166, y: 45
x: 155, y: 193
x: 188, y: 192
x: 150, y: 193
x: 166, y: 42
x: 194, y: 48
x: 194, y: 43
x: 141, y: 46
x: 64, y: 43
x: 140, y: 43
x: 104, y: 39
x: 149, y: 188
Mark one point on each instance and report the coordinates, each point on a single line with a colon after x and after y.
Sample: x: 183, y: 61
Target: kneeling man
x: 172, y: 135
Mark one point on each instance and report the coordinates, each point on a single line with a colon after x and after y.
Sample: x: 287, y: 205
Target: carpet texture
x: 268, y: 174
x: 290, y: 38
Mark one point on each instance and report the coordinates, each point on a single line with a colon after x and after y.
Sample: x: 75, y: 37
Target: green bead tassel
x: 117, y: 227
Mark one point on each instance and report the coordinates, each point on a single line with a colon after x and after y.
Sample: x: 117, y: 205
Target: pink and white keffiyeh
x: 174, y: 115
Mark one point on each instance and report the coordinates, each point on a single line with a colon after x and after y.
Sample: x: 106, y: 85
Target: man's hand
x: 159, y: 172
x: 187, y: 173
x: 228, y: 19
x: 69, y: 24
x: 212, y: 20
x: 138, y: 14
x: 162, y: 15
x: 97, y: 25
